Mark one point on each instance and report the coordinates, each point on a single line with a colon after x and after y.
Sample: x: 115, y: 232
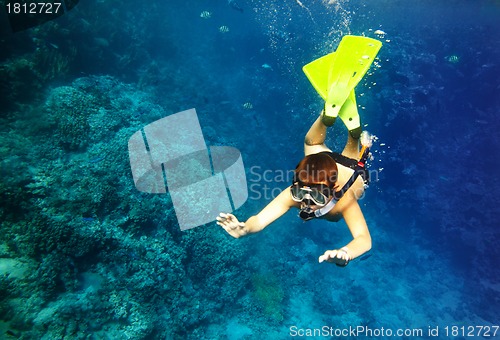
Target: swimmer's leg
x: 351, y: 148
x: 314, y: 141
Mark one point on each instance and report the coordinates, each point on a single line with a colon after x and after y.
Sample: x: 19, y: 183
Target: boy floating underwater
x: 326, y: 184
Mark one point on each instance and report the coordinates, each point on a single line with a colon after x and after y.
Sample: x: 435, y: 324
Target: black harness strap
x: 341, y: 159
x: 350, y: 163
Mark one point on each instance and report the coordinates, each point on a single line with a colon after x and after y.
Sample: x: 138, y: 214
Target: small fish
x: 224, y: 29
x: 379, y: 32
x: 248, y: 106
x: 267, y: 66
x: 205, y: 15
x: 454, y: 59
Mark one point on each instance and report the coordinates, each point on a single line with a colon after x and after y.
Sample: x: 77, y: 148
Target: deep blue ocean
x: 85, y: 255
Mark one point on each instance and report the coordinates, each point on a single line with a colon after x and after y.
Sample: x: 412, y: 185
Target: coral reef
x: 104, y: 257
x: 70, y: 109
x: 269, y: 295
x: 84, y: 255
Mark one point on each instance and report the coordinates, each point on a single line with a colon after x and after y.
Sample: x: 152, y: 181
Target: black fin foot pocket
x: 328, y: 121
x: 356, y: 133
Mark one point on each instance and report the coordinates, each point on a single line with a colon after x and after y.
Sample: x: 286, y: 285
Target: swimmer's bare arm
x: 274, y: 210
x: 362, y: 241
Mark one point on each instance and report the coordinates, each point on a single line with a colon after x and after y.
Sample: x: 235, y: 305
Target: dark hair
x: 318, y: 168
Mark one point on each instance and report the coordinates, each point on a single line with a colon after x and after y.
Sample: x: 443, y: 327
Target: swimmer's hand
x: 338, y: 256
x: 231, y: 224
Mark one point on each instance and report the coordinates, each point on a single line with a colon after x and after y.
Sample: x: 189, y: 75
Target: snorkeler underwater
x: 318, y: 176
x: 249, y: 169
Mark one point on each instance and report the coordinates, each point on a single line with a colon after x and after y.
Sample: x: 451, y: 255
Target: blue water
x: 83, y: 254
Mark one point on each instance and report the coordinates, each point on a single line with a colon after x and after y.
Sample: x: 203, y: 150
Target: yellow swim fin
x: 315, y: 72
x: 318, y: 71
x: 335, y: 76
x: 349, y: 115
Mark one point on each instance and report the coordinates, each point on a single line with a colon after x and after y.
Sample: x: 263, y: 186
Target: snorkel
x: 306, y: 213
x: 366, y: 140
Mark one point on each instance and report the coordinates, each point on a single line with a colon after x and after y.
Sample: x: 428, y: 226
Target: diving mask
x: 316, y: 194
